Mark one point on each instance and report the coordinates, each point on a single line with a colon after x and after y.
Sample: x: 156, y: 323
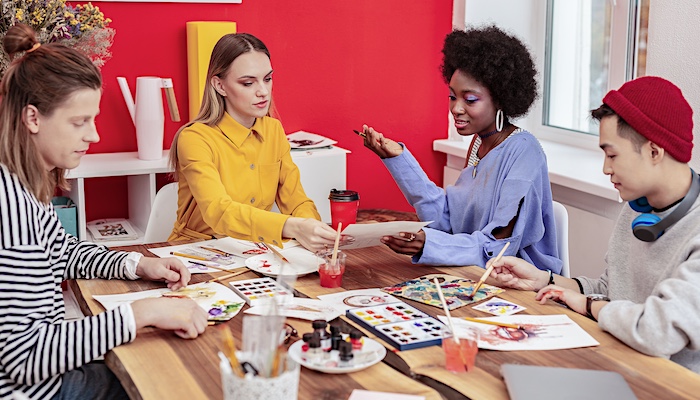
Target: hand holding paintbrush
x: 488, y: 271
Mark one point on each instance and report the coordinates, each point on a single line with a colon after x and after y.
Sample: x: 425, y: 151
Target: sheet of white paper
x: 537, y: 332
x: 359, y: 394
x: 349, y: 299
x: 220, y: 302
x: 309, y: 309
x: 368, y: 235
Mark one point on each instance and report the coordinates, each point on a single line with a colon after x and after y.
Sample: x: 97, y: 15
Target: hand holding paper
x: 367, y: 235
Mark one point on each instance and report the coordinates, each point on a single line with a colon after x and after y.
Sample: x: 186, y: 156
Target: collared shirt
x: 230, y: 177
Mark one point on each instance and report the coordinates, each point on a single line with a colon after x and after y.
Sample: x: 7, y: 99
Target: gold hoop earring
x: 499, y: 120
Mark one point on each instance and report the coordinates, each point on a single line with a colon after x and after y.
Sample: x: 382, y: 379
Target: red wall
x: 338, y: 64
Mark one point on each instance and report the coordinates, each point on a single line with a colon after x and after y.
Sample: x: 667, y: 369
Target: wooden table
x: 159, y: 365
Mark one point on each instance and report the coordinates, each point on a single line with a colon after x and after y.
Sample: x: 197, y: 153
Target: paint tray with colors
x: 259, y: 290
x: 400, y: 325
x: 457, y: 291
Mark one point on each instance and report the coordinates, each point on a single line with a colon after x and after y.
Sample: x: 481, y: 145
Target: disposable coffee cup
x: 344, y: 205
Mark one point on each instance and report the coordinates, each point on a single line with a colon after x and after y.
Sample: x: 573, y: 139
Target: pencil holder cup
x: 284, y: 386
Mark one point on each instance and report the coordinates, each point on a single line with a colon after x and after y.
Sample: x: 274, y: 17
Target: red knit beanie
x: 657, y: 110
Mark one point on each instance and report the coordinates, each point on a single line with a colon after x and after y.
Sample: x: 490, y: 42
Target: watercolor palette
x: 259, y: 290
x: 457, y: 291
x: 400, y: 325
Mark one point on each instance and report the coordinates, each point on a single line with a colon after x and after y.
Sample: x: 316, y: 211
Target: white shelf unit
x: 321, y: 170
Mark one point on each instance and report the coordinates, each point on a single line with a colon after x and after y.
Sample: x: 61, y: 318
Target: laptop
x: 531, y: 382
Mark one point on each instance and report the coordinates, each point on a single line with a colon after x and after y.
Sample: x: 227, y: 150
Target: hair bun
x: 19, y: 37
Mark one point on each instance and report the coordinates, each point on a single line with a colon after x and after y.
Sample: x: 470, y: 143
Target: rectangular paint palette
x: 259, y: 290
x: 400, y: 325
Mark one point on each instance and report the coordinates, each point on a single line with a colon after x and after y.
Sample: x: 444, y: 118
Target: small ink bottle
x: 314, y: 355
x: 319, y: 326
x: 306, y: 337
x: 356, y: 340
x: 336, y: 337
x: 345, y: 354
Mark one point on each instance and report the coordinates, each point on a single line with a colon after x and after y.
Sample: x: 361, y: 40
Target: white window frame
x: 535, y: 35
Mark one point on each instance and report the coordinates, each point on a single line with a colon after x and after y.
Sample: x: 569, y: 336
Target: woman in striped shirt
x: 50, y: 98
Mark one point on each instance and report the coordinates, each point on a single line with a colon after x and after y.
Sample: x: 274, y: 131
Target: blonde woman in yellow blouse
x: 233, y: 161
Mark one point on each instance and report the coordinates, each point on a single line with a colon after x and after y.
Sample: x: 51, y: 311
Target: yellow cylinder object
x: 201, y: 38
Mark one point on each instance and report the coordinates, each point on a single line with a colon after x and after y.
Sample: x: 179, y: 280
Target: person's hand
x: 381, y: 146
x: 181, y: 315
x: 170, y: 269
x: 312, y: 234
x: 517, y: 273
x: 409, y: 243
x: 573, y: 299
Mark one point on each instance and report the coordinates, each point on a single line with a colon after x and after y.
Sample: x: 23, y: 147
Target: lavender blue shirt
x: 512, y: 179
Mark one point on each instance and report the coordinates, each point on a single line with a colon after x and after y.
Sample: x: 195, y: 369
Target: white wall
x: 674, y: 53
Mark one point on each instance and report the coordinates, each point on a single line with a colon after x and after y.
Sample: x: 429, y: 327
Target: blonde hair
x: 213, y: 107
x: 45, y: 77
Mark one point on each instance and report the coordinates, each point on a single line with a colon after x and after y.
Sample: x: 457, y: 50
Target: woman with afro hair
x: 503, y: 193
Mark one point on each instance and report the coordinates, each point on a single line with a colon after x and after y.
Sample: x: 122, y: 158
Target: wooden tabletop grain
x: 159, y: 365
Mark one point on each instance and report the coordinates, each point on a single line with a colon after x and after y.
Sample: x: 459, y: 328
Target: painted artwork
x: 457, y: 291
x: 534, y: 332
x: 220, y: 303
x: 498, y: 306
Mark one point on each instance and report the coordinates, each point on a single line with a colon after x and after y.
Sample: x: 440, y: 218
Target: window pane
x: 642, y: 25
x: 578, y: 50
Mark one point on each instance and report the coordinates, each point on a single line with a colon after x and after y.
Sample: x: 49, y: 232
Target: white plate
x: 370, y: 346
x: 301, y: 262
x: 307, y: 140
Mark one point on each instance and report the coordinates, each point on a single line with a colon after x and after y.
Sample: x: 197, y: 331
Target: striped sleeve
x: 35, y: 344
x: 89, y: 260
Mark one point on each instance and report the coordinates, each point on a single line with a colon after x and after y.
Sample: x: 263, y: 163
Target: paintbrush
x: 217, y: 251
x: 175, y: 253
x: 489, y: 322
x: 229, y: 276
x: 230, y: 351
x: 334, y: 256
x: 277, y: 253
x: 359, y: 133
x: 488, y: 270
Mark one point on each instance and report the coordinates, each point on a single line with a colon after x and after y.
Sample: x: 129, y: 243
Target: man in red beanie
x: 648, y: 296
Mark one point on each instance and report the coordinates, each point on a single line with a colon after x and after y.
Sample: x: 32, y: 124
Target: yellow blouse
x: 229, y: 178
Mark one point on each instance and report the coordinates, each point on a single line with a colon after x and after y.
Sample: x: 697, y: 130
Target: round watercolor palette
x: 372, y: 353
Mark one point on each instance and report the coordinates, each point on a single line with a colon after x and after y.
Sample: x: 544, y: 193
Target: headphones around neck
x: 649, y: 227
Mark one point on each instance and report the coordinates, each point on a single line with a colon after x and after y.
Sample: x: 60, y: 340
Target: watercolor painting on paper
x: 457, y: 291
x: 535, y: 332
x: 220, y: 303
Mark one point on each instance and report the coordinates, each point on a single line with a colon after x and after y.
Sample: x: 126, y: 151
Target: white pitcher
x: 148, y: 115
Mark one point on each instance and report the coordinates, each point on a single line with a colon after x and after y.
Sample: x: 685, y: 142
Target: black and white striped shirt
x: 36, y: 254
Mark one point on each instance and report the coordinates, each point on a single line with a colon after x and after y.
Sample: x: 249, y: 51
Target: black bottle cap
x: 306, y: 337
x: 355, y: 334
x: 335, y: 330
x: 345, y: 351
x: 314, y: 343
x: 319, y: 324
